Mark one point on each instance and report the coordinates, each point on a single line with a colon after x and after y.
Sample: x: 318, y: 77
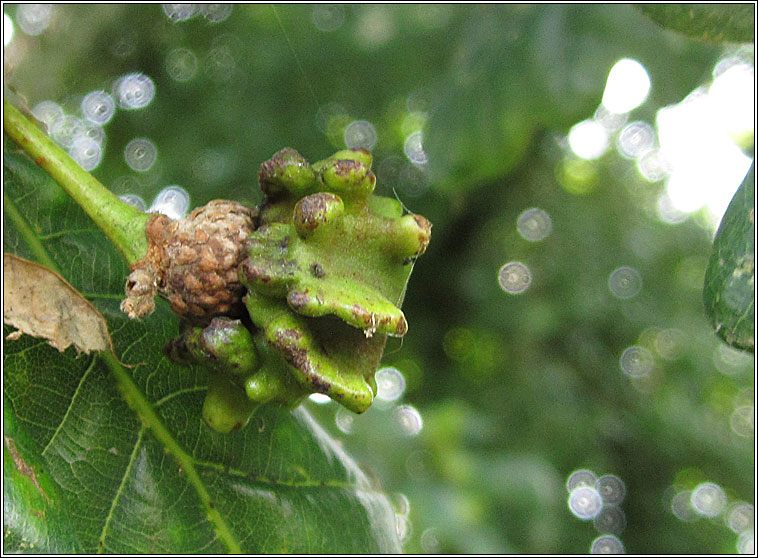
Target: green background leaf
x: 729, y: 290
x: 712, y: 22
x: 112, y: 457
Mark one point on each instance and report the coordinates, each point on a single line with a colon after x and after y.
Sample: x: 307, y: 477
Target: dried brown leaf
x: 41, y: 303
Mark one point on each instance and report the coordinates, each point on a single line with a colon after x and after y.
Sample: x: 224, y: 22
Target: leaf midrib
x: 133, y: 397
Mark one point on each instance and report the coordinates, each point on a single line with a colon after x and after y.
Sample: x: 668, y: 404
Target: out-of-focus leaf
x: 729, y: 290
x: 715, y: 22
x: 104, y: 458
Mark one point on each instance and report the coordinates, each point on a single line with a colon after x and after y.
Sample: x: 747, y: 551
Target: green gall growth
x: 321, y: 269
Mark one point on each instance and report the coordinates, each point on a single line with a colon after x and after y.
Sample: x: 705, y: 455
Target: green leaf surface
x: 729, y: 290
x: 710, y: 22
x: 108, y: 453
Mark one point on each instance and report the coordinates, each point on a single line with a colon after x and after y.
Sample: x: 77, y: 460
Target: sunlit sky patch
x: 706, y: 166
x: 693, y: 145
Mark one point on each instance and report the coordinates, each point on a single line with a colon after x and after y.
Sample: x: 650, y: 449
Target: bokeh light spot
x: 65, y: 129
x: 344, y: 420
x: 134, y: 200
x: 740, y: 517
x: 585, y: 502
x: 390, y: 384
x: 742, y: 421
x: 408, y: 419
x: 746, y: 542
x: 588, y: 139
x: 534, y: 224
x: 636, y: 362
x: 430, y: 541
x: 636, y: 139
x: 33, y: 19
x: 140, y: 154
x: 652, y: 166
x: 607, y: 544
x: 47, y: 112
x: 134, y: 91
x: 98, y: 107
x: 360, y: 133
x: 216, y: 13
x: 414, y: 148
x: 708, y: 499
x: 625, y: 282
x: 681, y: 507
x: 86, y: 152
x: 611, y: 489
x: 328, y: 17
x: 180, y: 12
x: 581, y: 477
x: 706, y: 167
x: 627, y: 86
x: 172, y: 201
x: 514, y: 277
x: 181, y: 64
x: 611, y: 519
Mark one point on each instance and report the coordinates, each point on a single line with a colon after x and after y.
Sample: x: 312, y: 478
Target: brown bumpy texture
x: 192, y: 263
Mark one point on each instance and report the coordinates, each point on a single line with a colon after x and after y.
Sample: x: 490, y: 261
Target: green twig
x: 123, y: 224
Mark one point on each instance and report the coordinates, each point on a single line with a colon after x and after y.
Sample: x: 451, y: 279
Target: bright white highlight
x: 390, y: 384
x: 708, y: 499
x: 7, y: 30
x: 319, y: 398
x: 585, y: 502
x: 172, y: 201
x: 733, y: 95
x: 134, y: 91
x: 627, y: 87
x: 705, y: 165
x: 588, y: 139
x: 408, y: 419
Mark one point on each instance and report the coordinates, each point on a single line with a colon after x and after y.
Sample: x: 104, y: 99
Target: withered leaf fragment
x: 41, y: 303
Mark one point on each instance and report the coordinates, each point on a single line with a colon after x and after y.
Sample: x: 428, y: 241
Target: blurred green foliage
x: 515, y: 391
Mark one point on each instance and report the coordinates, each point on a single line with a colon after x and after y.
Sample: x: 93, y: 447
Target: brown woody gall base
x: 193, y: 263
